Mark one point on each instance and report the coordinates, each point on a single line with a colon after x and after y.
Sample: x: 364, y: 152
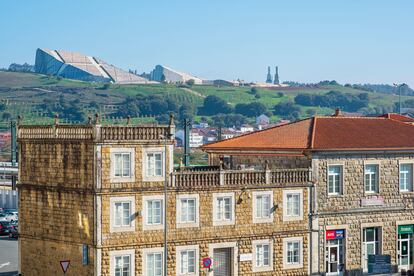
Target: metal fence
x: 8, y: 199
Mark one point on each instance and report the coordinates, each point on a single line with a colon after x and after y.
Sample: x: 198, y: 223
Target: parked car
x: 14, y: 232
x: 3, y: 217
x: 12, y: 216
x: 4, y: 227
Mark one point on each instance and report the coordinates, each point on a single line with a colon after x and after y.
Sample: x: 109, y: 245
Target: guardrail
x: 240, y: 177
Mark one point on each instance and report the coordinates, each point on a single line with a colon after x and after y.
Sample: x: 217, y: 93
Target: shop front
x: 335, y: 252
x: 405, y: 247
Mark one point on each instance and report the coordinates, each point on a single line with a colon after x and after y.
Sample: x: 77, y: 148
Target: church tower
x: 276, y: 76
x: 269, y: 76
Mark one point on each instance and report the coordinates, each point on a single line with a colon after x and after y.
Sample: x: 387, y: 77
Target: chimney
x: 338, y: 112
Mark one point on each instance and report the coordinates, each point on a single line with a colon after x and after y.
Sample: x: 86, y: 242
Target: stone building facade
x: 94, y: 195
x: 362, y: 194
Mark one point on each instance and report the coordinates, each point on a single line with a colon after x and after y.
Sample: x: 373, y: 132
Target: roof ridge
x: 312, y: 138
x: 257, y: 131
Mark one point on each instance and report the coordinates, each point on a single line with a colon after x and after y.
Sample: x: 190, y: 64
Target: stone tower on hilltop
x: 269, y: 76
x: 276, y: 81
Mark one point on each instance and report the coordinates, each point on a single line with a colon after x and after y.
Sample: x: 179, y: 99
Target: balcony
x: 213, y: 178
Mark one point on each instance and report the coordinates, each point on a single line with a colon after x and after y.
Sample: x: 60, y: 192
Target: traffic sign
x: 64, y: 265
x: 207, y: 262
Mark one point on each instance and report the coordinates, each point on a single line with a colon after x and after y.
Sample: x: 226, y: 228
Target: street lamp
x: 166, y: 137
x: 398, y: 86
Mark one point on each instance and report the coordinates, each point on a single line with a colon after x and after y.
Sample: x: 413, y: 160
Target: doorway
x: 223, y: 261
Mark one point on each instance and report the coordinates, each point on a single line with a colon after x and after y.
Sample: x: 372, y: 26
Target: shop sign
x: 405, y: 229
x: 335, y: 234
x: 379, y: 264
x: 246, y: 257
x: 372, y: 201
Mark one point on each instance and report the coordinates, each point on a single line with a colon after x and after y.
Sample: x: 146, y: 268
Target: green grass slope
x: 24, y: 92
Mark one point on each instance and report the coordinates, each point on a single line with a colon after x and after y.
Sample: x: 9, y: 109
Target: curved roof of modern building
x: 75, y: 65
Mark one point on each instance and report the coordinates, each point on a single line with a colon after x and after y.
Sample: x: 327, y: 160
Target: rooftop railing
x: 94, y: 132
x: 192, y: 178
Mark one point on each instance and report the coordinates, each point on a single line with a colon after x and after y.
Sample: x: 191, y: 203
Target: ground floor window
x: 405, y: 247
x: 122, y: 262
x: 371, y: 243
x: 335, y: 252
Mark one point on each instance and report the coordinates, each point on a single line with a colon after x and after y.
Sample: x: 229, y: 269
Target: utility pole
x: 187, y: 125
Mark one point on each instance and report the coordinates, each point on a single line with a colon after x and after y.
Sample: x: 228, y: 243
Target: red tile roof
x: 398, y: 117
x: 325, y: 134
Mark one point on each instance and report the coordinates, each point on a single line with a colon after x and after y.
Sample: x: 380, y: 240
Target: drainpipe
x: 13, y: 127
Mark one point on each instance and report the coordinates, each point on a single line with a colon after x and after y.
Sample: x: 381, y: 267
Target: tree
x: 229, y: 120
x: 190, y: 82
x: 6, y: 116
x: 214, y: 105
x: 251, y: 110
x: 253, y: 90
x: 287, y: 110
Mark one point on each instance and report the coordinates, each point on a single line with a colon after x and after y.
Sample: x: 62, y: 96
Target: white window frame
x: 181, y: 224
x: 145, y: 252
x: 119, y: 253
x: 178, y: 251
x: 112, y: 201
x: 145, y: 225
x: 377, y: 189
x: 412, y: 176
x: 154, y: 150
x: 217, y: 222
x: 287, y: 217
x: 286, y: 265
x: 341, y: 179
x: 271, y: 211
x: 122, y: 179
x: 254, y: 263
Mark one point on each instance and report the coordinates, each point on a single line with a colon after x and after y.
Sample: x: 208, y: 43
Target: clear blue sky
x: 350, y: 41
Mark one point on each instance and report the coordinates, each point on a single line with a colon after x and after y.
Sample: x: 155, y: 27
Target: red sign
x: 330, y: 234
x: 64, y: 265
x: 207, y: 262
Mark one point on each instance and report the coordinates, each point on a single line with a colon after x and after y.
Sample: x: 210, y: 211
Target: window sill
x: 262, y: 269
x: 335, y: 195
x: 288, y: 219
x: 116, y: 229
x: 223, y: 223
x: 153, y: 178
x: 292, y: 266
x: 187, y: 225
x: 147, y: 227
x: 122, y: 179
x: 263, y: 220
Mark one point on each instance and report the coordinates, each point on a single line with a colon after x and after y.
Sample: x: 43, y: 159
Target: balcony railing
x: 240, y: 177
x: 93, y: 132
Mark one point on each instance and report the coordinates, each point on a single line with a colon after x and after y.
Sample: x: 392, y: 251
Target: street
x: 8, y: 256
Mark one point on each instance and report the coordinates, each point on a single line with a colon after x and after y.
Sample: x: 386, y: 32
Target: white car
x: 3, y: 217
x: 12, y: 216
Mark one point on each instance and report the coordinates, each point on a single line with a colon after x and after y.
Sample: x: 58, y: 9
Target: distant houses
x: 202, y: 133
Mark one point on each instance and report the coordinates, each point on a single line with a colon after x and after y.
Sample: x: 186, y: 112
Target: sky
x: 352, y: 41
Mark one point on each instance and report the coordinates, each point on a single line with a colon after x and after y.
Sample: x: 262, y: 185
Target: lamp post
x: 398, y: 86
x: 168, y: 134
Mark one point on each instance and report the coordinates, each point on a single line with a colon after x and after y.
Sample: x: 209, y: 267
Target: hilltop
x: 37, y: 97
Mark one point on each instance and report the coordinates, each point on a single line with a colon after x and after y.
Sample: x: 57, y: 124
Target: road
x: 8, y: 256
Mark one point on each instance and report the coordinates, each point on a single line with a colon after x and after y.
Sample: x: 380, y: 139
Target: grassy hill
x: 22, y: 94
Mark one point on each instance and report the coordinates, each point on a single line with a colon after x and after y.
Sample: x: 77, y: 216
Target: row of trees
x: 334, y: 99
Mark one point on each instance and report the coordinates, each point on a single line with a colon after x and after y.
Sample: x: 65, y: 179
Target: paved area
x: 8, y: 256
